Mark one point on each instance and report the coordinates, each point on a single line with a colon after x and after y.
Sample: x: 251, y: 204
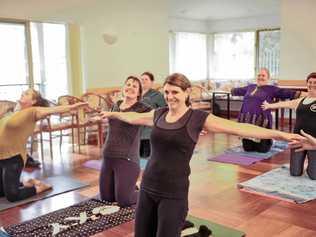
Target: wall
x: 298, y: 46
x: 141, y: 27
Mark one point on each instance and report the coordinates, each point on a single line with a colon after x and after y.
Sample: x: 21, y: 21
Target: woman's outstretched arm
x: 145, y: 119
x: 220, y: 125
x: 42, y: 112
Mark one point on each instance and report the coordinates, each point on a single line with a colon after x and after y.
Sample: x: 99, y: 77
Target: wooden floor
x: 213, y: 193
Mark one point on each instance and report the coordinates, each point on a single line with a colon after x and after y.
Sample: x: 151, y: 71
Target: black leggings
x: 297, y: 163
x: 263, y: 146
x: 144, y: 148
x: 10, y: 185
x: 159, y: 217
x: 118, y: 181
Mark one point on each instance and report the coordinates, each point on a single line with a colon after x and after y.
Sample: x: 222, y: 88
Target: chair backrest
x: 196, y: 92
x: 113, y: 96
x: 96, y: 101
x: 68, y: 100
x: 6, y: 106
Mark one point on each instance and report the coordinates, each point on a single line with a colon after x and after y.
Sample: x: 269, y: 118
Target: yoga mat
x: 237, y: 155
x: 279, y: 184
x: 235, y: 159
x: 61, y: 184
x: 96, y: 164
x: 217, y: 229
x: 87, y: 226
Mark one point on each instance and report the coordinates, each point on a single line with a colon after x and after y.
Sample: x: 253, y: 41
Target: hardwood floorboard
x: 213, y: 192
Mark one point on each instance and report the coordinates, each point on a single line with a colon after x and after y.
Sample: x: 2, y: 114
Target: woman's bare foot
x: 42, y: 187
x: 31, y: 182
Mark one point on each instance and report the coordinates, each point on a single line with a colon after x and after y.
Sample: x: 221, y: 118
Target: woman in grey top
x: 120, y: 167
x: 156, y: 100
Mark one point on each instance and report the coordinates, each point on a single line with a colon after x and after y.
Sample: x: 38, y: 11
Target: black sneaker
x: 31, y: 163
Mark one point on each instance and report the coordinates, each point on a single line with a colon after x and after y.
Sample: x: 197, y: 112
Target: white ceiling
x: 186, y: 9
x: 222, y: 9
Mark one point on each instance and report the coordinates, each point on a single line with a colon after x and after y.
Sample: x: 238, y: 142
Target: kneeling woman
x: 163, y: 202
x: 120, y: 167
x: 14, y: 132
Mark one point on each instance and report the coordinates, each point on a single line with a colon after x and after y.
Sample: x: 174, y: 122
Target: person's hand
x: 307, y: 142
x: 105, y: 114
x: 265, y: 105
x: 79, y: 105
x: 95, y: 118
x: 291, y: 137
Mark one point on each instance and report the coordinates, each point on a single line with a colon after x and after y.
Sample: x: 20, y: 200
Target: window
x: 269, y: 51
x: 50, y: 58
x: 48, y: 61
x: 13, y: 60
x: 188, y: 55
x: 233, y: 56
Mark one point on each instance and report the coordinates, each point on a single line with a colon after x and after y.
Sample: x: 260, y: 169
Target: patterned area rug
x: 84, y: 219
x: 279, y: 184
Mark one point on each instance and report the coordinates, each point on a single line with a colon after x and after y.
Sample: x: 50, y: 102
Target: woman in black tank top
x: 163, y: 200
x: 120, y: 167
x: 305, y: 120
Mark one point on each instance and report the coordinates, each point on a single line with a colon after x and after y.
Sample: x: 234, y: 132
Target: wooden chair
x: 196, y: 98
x: 6, y: 106
x: 97, y: 103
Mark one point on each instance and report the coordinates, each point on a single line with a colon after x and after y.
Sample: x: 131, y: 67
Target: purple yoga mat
x: 93, y: 164
x: 235, y: 159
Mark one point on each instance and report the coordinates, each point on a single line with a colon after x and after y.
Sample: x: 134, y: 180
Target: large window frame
x: 210, y: 50
x: 29, y: 80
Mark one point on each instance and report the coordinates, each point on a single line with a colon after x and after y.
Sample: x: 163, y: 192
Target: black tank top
x: 123, y: 138
x: 306, y: 118
x: 167, y: 172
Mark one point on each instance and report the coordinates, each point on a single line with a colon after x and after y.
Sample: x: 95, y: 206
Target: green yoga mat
x: 218, y: 230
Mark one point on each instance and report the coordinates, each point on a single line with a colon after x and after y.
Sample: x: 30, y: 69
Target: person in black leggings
x: 15, y: 129
x: 305, y: 120
x: 163, y: 200
x: 120, y: 167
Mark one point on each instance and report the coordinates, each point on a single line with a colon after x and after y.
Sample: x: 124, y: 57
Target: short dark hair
x: 150, y: 75
x: 311, y: 75
x: 140, y: 88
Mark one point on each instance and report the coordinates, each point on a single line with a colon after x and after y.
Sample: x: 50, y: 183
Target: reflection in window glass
x: 269, y: 51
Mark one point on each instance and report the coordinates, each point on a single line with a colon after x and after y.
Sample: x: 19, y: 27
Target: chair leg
x: 73, y: 139
x: 100, y: 134
x: 51, y: 144
x: 42, y: 149
x: 32, y: 140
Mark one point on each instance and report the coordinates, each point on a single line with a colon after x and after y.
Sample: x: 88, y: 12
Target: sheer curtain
x: 49, y: 50
x: 14, y: 75
x: 188, y: 54
x: 233, y: 56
